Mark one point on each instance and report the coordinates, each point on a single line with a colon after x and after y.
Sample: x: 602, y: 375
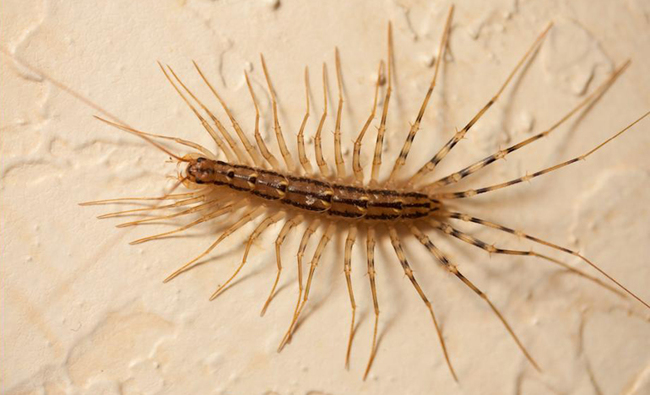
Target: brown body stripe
x: 313, y: 195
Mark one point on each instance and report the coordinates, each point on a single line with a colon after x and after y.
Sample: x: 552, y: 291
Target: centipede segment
x: 250, y: 187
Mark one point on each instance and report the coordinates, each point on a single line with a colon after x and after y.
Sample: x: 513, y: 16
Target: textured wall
x: 83, y: 312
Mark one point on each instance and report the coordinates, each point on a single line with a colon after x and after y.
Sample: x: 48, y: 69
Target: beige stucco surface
x: 83, y: 312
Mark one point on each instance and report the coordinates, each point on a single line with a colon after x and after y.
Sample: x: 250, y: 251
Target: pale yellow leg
x: 302, y: 155
x: 268, y: 221
x: 415, y: 127
x: 266, y: 153
x: 379, y: 144
x: 356, y: 155
x: 286, y: 155
x: 288, y: 226
x: 347, y: 267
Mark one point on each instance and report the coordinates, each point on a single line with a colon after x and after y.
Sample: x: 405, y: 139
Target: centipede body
x: 353, y: 232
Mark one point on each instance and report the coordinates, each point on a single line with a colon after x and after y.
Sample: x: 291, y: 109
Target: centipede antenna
x: 142, y: 135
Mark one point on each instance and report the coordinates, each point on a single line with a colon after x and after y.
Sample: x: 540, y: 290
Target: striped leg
x: 588, y: 101
x: 202, y: 206
x: 275, y: 165
x: 448, y: 229
x: 338, y: 154
x: 370, y: 249
x: 399, y: 251
x: 528, y: 177
x: 347, y: 268
x: 450, y: 267
x: 236, y: 152
x: 136, y: 199
x: 302, y: 155
x: 439, y: 156
x: 246, y: 218
x: 415, y: 127
x: 356, y: 162
x: 250, y: 149
x: 301, y: 253
x: 325, y: 238
x: 379, y: 144
x: 222, y: 211
x: 184, y: 202
x: 286, y: 228
x: 276, y: 123
x: 268, y: 221
x: 318, y: 147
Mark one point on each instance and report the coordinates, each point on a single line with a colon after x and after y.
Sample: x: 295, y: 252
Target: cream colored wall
x: 83, y: 312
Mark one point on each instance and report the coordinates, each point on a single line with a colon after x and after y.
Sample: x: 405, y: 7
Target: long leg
x: 379, y: 144
x: 268, y: 221
x: 492, y: 249
x: 275, y: 165
x: 180, y: 203
x: 301, y: 253
x: 318, y: 146
x: 415, y: 127
x: 585, y: 103
x: 250, y: 149
x: 450, y: 267
x: 222, y: 211
x: 356, y: 162
x: 236, y: 152
x: 129, y: 199
x: 338, y: 154
x: 302, y: 156
x: 370, y: 250
x: 528, y: 177
x: 286, y: 228
x: 325, y: 238
x: 246, y: 218
x: 347, y: 268
x: 399, y: 251
x: 439, y: 156
x: 191, y: 210
x: 276, y: 123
